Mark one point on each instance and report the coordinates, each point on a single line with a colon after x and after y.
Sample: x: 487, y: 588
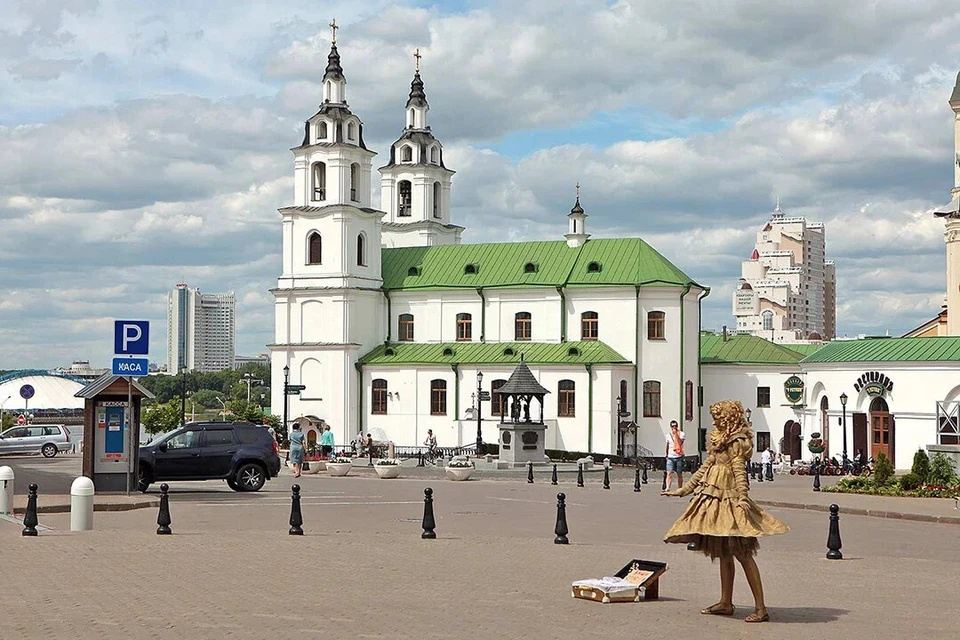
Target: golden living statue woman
x: 721, y: 519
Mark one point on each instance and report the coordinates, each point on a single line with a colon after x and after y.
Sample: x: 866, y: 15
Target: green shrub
x: 921, y: 465
x: 942, y: 471
x: 882, y: 470
x: 910, y: 481
x: 854, y: 483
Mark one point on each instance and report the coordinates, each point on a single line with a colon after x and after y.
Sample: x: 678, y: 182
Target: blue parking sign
x: 131, y: 337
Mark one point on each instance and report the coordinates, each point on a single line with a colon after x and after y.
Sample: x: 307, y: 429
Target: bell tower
x: 951, y: 216
x: 415, y: 185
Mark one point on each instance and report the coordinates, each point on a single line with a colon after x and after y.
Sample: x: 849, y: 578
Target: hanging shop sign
x: 793, y: 389
x: 874, y: 384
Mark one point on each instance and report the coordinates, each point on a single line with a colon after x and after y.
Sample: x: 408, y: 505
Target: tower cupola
x: 577, y: 224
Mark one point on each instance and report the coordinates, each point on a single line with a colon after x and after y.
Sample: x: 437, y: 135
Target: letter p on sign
x: 131, y: 337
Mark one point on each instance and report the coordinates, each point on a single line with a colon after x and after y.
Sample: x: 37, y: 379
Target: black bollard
x: 606, y: 477
x: 759, y: 473
x: 664, y: 487
x: 561, y: 528
x: 296, y: 517
x: 429, y: 526
x: 553, y: 476
x: 636, y: 481
x: 816, y: 476
x: 163, y: 518
x: 30, y: 521
x: 833, y: 537
x: 529, y: 472
x: 420, y: 462
x: 770, y: 472
x: 643, y: 475
x: 753, y: 471
x: 580, y: 475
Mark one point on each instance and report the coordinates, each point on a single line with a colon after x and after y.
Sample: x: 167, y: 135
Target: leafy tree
x: 882, y: 469
x: 921, y: 465
x: 942, y: 471
x: 207, y: 398
x: 160, y: 418
x: 9, y: 421
x: 243, y: 410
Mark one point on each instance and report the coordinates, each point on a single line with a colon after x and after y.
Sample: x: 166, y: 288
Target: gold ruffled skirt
x: 719, y: 527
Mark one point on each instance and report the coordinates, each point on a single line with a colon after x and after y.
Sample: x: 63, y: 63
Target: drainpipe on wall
x: 456, y: 391
x: 589, y: 407
x: 563, y: 315
x: 686, y: 290
x: 483, y: 315
x: 636, y: 380
x: 386, y: 294
x: 359, y: 367
x: 699, y: 405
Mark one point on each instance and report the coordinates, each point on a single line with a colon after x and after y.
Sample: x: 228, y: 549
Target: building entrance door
x: 881, y: 429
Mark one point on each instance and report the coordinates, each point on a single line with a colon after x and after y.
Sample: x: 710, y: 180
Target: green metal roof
x: 889, y: 350
x: 744, y: 349
x: 618, y: 261
x: 805, y: 349
x: 445, y: 353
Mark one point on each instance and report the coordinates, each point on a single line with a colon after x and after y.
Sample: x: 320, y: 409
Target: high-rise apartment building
x: 787, y: 289
x: 201, y: 330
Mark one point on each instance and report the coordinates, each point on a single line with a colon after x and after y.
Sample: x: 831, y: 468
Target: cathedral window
x: 351, y: 132
x: 435, y: 155
x: 404, y: 195
x: 497, y: 401
x: 522, y: 326
x: 319, y: 181
x: 406, y: 154
x: 322, y: 131
x: 589, y: 325
x: 405, y: 328
x: 464, y: 327
x: 655, y: 325
x: 361, y: 250
x: 767, y: 320
x: 566, y: 399
x: 436, y: 199
x: 438, y: 397
x: 354, y: 181
x: 651, y: 399
x: 622, y: 400
x: 314, y: 249
x: 378, y: 405
x: 411, y: 118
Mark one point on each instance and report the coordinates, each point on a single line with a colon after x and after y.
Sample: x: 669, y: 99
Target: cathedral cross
x: 578, y: 190
x: 417, y: 56
x: 333, y: 27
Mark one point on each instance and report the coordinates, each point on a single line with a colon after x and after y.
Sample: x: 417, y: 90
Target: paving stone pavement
x: 361, y: 571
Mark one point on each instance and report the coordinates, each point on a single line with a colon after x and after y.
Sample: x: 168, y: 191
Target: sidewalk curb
x: 872, y: 513
x: 103, y: 506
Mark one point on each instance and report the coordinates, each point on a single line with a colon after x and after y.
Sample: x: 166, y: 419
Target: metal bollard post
x: 553, y: 476
x: 643, y: 474
x: 580, y: 474
x: 606, y: 477
x: 759, y: 473
x: 816, y: 476
x: 561, y: 528
x: 30, y: 521
x: 664, y: 488
x: 163, y: 516
x: 529, y: 471
x: 636, y: 481
x: 296, y: 516
x: 6, y: 491
x: 429, y: 525
x: 81, y: 504
x: 833, y: 536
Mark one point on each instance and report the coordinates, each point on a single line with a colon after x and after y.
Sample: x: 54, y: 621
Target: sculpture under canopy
x: 518, y: 392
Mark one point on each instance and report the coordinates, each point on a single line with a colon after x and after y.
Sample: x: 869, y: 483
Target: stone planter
x: 339, y: 468
x: 316, y: 466
x: 387, y: 470
x: 459, y: 474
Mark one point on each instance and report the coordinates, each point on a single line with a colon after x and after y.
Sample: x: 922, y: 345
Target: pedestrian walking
x: 674, y: 454
x: 296, y: 450
x: 326, y: 441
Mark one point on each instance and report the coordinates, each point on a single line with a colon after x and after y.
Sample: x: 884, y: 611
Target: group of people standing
x: 298, y: 446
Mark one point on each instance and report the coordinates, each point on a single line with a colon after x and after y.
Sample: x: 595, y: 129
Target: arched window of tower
x: 314, y: 248
x: 406, y: 154
x: 354, y: 180
x: 405, y: 190
x: 411, y: 118
x: 322, y: 131
x: 435, y: 155
x: 351, y: 132
x: 436, y: 200
x: 319, y: 181
x: 361, y: 250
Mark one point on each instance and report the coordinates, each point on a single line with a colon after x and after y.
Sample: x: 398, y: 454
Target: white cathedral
x: 389, y: 322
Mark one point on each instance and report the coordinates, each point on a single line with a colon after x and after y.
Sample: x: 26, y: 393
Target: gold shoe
x: 756, y: 616
x: 718, y: 610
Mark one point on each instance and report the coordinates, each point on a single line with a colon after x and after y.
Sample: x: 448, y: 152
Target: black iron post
x: 553, y: 476
x: 163, y: 517
x: 30, y: 521
x: 561, y: 528
x: 816, y: 474
x: 479, y: 414
x: 529, y: 472
x: 760, y: 472
x: 643, y: 474
x: 833, y: 537
x: 606, y: 477
x: 286, y: 401
x: 580, y: 474
x: 843, y: 403
x: 753, y: 471
x: 296, y: 516
x: 664, y: 487
x: 429, y: 525
x: 636, y: 481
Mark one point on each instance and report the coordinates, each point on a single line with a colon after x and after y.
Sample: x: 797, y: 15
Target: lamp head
x: 286, y: 370
x: 479, y: 377
x: 843, y: 399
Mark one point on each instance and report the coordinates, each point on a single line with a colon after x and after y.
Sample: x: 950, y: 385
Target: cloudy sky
x: 146, y: 143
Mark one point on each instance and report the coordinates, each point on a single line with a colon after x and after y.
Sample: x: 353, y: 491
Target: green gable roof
x: 744, y: 349
x: 805, y: 349
x: 618, y: 261
x: 889, y: 350
x: 446, y: 353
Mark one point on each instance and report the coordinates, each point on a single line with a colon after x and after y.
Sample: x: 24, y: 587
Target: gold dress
x: 714, y: 519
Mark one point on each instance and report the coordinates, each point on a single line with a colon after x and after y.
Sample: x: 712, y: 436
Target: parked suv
x: 48, y: 439
x: 243, y: 454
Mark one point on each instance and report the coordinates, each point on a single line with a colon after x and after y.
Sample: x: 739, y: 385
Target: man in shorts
x: 674, y: 453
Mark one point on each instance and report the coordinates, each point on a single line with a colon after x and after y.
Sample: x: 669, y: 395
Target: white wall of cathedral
x: 410, y: 405
x: 421, y: 235
x: 332, y: 316
x: 332, y: 175
x: 341, y: 261
x: 430, y: 188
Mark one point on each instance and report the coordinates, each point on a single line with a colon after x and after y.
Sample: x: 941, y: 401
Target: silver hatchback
x: 48, y: 439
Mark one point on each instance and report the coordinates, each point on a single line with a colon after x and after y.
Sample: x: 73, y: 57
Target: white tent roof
x: 50, y: 392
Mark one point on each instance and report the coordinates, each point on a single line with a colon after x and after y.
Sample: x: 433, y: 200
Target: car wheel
x: 49, y: 450
x: 233, y: 484
x: 143, y: 479
x: 250, y: 477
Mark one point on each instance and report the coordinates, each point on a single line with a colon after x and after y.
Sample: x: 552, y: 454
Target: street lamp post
x: 1, y: 410
x: 286, y: 384
x: 183, y: 393
x: 223, y: 414
x: 479, y: 418
x: 621, y: 413
x: 843, y: 403
x: 249, y: 380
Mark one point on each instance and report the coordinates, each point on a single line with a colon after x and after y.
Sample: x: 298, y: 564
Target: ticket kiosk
x: 111, y: 429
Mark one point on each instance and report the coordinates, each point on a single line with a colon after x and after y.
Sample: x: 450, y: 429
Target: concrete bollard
x: 81, y: 504
x: 6, y: 491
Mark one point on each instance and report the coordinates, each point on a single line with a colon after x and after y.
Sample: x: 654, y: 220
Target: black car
x: 243, y: 454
